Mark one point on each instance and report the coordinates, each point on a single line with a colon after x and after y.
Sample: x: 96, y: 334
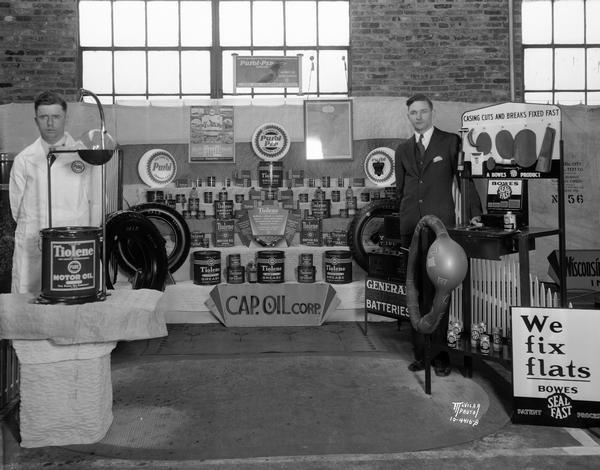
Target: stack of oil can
x: 313, y: 199
x: 268, y: 267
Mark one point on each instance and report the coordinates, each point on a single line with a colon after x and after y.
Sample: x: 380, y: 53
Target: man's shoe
x: 443, y: 371
x: 417, y: 366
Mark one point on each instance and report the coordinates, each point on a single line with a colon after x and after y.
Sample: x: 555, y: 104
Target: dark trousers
x: 426, y: 295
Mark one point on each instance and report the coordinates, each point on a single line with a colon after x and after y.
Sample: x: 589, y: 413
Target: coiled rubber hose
x: 134, y: 243
x: 446, y: 268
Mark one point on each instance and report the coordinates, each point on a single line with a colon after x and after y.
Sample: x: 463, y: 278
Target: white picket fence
x: 495, y: 287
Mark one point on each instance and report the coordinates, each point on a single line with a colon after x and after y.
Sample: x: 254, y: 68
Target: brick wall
x: 455, y: 50
x: 38, y: 48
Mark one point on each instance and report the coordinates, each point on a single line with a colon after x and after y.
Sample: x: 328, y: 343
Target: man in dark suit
x: 426, y: 167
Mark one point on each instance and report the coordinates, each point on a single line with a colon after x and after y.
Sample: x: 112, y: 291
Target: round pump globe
x: 97, y: 150
x: 92, y: 140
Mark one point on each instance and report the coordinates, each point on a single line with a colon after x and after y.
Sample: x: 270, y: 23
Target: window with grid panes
x: 561, y: 51
x: 182, y: 49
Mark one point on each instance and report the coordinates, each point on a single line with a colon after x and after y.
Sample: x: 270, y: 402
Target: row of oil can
x: 480, y: 338
x: 269, y: 267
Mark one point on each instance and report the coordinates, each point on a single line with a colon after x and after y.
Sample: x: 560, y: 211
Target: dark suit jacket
x: 426, y: 189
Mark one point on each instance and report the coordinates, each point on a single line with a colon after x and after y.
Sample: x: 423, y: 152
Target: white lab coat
x: 76, y: 201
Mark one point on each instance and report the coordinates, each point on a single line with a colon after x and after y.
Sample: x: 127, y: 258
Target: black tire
x: 165, y: 217
x: 363, y: 221
x: 134, y: 244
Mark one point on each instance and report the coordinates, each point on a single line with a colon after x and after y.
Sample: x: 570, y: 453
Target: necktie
x: 420, y: 146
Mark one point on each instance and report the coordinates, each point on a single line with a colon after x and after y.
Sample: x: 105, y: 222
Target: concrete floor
x: 511, y: 446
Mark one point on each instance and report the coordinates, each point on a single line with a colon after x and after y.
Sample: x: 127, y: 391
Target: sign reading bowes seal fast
x: 271, y: 142
x: 157, y: 168
x: 379, y: 166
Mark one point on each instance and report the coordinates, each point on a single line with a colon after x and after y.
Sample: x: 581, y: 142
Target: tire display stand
x: 493, y: 244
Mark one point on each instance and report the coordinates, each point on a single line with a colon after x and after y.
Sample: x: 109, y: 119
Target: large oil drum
x: 71, y: 263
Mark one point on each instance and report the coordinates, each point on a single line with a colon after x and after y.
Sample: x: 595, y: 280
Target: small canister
x: 457, y: 328
x: 306, y: 259
x: 234, y: 259
x: 451, y: 338
x: 474, y: 335
x: 484, y: 343
x: 510, y: 221
x: 306, y: 273
x: 223, y: 196
x: 196, y: 238
x: 497, y: 339
x: 235, y: 274
x: 252, y: 273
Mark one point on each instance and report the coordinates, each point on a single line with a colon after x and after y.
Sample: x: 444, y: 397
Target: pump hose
x: 446, y: 268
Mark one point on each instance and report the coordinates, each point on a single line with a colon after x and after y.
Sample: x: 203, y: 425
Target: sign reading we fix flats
x: 556, y: 366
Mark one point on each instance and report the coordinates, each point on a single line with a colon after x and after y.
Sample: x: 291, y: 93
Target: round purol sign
x: 379, y: 166
x: 157, y: 168
x: 271, y: 142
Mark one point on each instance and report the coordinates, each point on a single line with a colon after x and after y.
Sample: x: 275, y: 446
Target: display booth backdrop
x: 377, y: 121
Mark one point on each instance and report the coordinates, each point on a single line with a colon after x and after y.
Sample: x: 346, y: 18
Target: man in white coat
x: 76, y: 191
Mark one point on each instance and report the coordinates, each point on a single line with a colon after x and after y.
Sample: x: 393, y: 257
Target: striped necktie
x: 420, y: 146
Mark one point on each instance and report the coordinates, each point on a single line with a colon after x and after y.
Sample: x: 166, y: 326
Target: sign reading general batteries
x: 385, y: 298
x: 556, y: 367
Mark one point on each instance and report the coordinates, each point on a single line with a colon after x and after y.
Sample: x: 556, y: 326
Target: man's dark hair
x: 48, y: 98
x: 419, y: 97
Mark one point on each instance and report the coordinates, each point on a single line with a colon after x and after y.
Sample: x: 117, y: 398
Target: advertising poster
x: 512, y: 140
x: 211, y: 134
x: 556, y: 366
x: 267, y: 71
x: 328, y: 129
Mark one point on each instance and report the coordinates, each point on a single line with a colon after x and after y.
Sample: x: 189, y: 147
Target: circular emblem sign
x: 157, y: 168
x: 77, y: 166
x: 271, y: 142
x: 379, y: 166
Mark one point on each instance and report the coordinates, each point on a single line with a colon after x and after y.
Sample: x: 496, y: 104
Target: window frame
x: 554, y: 47
x: 216, y: 52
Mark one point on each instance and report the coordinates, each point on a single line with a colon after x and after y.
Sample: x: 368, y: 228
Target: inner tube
x: 361, y: 221
x: 134, y: 244
x: 446, y: 267
x: 173, y: 228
